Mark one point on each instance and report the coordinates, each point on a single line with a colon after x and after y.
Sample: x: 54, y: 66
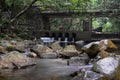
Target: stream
x: 46, y: 69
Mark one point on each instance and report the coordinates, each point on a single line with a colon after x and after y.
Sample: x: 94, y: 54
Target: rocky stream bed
x: 31, y: 60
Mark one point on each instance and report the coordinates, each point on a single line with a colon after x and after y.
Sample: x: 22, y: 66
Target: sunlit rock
x: 70, y: 51
x: 93, y: 48
x: 109, y: 44
x: 104, y: 54
x: 15, y: 60
x: 106, y: 66
x: 56, y: 47
x: 32, y: 54
x: 40, y: 49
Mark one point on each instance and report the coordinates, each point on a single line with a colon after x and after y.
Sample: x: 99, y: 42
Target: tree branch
x: 22, y: 12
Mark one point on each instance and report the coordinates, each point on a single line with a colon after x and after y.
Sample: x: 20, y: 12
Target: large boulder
x: 81, y: 60
x: 106, y: 66
x: 40, y: 49
x: 56, y: 47
x: 110, y: 46
x: 93, y: 48
x: 70, y: 51
x: 15, y: 60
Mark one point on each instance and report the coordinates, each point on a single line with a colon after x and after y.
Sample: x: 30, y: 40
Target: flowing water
x: 46, y: 69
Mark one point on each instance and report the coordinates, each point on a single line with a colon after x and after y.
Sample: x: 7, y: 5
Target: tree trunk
x: 22, y: 12
x: 2, y: 5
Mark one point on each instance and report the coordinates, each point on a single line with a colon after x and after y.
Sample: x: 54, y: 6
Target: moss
x: 10, y: 48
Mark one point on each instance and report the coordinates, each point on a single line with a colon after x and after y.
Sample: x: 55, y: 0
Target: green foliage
x: 108, y: 24
x: 108, y: 27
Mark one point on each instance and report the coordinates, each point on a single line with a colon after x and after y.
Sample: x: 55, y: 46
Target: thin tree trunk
x: 3, y: 5
x: 22, y: 12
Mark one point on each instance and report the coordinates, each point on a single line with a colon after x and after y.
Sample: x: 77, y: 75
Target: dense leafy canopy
x: 13, y: 9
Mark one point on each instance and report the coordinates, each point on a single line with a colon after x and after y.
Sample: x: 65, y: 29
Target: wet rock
x: 104, y: 54
x: 93, y: 48
x: 8, y: 45
x: 32, y: 54
x: 106, y: 66
x: 40, y: 49
x: 50, y: 55
x: 87, y: 75
x: 56, y: 47
x: 83, y: 59
x: 13, y: 42
x: 15, y: 60
x: 70, y: 51
x: 4, y: 43
x: 110, y: 46
x: 20, y: 46
x: 30, y: 44
x: 2, y: 50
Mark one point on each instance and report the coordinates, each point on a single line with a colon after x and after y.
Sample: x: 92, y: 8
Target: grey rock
x: 15, y: 59
x: 88, y: 75
x: 49, y: 55
x: 83, y: 59
x: 40, y: 49
x: 106, y: 66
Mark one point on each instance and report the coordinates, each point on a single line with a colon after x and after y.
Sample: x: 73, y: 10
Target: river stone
x: 40, y: 49
x: 50, y: 55
x: 81, y: 60
x: 4, y: 43
x: 2, y: 50
x: 20, y: 46
x: 106, y: 66
x: 32, y: 54
x: 15, y: 59
x: 93, y: 48
x: 104, y: 54
x: 69, y: 51
x: 56, y: 47
x: 88, y: 75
